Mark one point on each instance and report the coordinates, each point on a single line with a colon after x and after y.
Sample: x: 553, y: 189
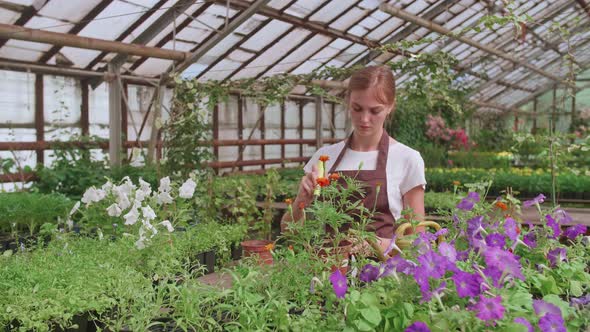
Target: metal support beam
x: 156, y: 114
x: 77, y: 28
x: 27, y: 13
x: 8, y: 31
x: 114, y: 118
x: 39, y: 116
x: 442, y: 30
x: 584, y: 6
x: 84, y: 109
x: 319, y: 130
x: 209, y: 44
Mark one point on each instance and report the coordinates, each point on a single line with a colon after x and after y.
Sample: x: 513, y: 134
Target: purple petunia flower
x: 580, y: 301
x: 489, y: 308
x: 468, y: 202
x: 574, y: 231
x: 541, y: 307
x: 556, y: 256
x: 398, y: 264
x: 369, y: 273
x: 339, y: 283
x: 530, y: 239
x: 417, y: 327
x: 523, y: 321
x: 448, y: 251
x: 552, y: 323
x: 537, y: 200
x: 563, y: 217
x: 503, y: 261
x: 554, y: 225
x: 511, y: 229
x: 431, y: 265
x: 496, y: 240
x: 493, y: 273
x: 462, y: 255
x: 467, y: 284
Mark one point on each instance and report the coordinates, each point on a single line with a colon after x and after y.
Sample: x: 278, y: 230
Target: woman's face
x: 367, y: 113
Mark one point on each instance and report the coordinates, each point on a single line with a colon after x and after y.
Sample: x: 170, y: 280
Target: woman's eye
x: 375, y: 112
x: 357, y: 109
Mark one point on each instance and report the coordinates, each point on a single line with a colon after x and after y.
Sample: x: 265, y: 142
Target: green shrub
x: 23, y: 211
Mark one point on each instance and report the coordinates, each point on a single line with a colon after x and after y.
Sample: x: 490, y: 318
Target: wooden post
x: 573, y: 118
x: 115, y: 141
x: 84, y: 113
x: 301, y: 127
x: 318, y: 122
x: 240, y: 127
x: 262, y: 129
x: 215, y: 125
x: 283, y: 131
x: 534, y: 129
x: 554, y: 107
x: 333, y: 117
x: 124, y: 115
x: 155, y: 119
x: 39, y: 116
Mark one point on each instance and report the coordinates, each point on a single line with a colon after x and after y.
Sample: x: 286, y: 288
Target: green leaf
x: 372, y: 316
x: 548, y: 285
x: 370, y: 300
x: 575, y: 288
x: 519, y: 299
x: 363, y: 325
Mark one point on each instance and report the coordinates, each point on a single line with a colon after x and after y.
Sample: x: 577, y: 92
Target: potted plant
x: 263, y: 245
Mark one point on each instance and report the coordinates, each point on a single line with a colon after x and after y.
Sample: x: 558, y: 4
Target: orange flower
x: 288, y: 201
x: 269, y: 246
x: 323, y: 182
x: 301, y: 205
x: 502, y: 206
x: 291, y: 247
x: 334, y: 176
x: 456, y: 183
x: 324, y: 158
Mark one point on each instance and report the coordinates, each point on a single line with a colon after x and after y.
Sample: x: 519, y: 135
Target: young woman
x: 384, y: 162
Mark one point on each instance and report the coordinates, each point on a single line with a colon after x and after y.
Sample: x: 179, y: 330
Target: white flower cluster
x: 132, y: 203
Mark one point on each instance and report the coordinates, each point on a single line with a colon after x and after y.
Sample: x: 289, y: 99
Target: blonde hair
x: 378, y: 78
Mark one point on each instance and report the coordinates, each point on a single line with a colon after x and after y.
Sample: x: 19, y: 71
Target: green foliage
x: 475, y: 159
x: 23, y: 211
x: 434, y: 156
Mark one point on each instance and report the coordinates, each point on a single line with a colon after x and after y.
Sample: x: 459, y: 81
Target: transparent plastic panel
x: 8, y: 16
x: 304, y: 8
x: 98, y: 111
x: 268, y: 34
x: 62, y: 99
x: 331, y: 11
x: 72, y: 11
x: 48, y: 24
x: 348, y: 19
x: 297, y: 56
x: 17, y: 98
x: 386, y: 28
x: 110, y: 23
x: 272, y: 55
x: 153, y: 67
x: 140, y: 98
x: 20, y: 53
x: 80, y: 57
x: 417, y: 6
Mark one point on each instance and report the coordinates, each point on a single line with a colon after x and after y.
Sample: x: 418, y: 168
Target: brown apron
x: 384, y: 222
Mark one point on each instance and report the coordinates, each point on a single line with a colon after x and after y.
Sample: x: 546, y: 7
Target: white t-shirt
x: 405, y: 168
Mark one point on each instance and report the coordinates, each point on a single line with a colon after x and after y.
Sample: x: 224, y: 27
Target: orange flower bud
x: 324, y: 158
x: 501, y: 205
x: 288, y: 201
x: 323, y: 182
x: 334, y: 176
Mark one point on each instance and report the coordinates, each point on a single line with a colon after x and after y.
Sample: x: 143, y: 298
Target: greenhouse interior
x: 295, y: 165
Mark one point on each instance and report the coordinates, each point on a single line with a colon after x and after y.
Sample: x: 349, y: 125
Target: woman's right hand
x: 307, y: 187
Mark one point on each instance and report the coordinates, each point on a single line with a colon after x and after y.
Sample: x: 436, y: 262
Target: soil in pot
x: 259, y: 249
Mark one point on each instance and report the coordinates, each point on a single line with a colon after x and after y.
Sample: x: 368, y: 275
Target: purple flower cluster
x: 551, y: 319
x: 537, y: 200
x: 489, y: 309
x: 574, y: 231
x: 468, y: 202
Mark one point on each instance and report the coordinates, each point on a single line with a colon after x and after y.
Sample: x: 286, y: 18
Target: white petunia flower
x: 107, y: 187
x: 164, y: 185
x: 140, y: 195
x: 168, y: 225
x: 69, y: 223
x: 140, y: 243
x: 75, y: 208
x: 145, y: 187
x: 122, y: 199
x: 187, y: 189
x: 131, y: 216
x: 150, y: 227
x: 114, y: 210
x: 93, y: 195
x: 148, y: 213
x: 164, y: 198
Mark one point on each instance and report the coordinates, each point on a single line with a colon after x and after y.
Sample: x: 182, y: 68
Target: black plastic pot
x: 236, y: 252
x: 206, y: 259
